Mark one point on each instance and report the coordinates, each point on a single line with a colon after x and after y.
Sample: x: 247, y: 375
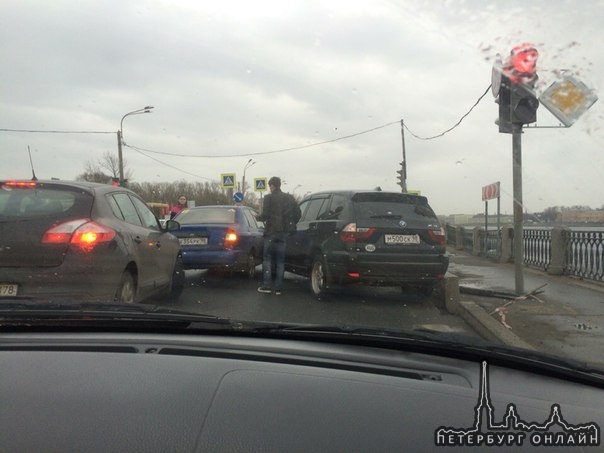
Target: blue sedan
x: 220, y: 237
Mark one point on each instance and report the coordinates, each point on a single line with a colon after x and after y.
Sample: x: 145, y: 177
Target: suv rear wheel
x: 319, y: 278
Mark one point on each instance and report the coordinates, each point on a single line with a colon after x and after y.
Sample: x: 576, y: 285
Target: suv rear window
x: 381, y: 205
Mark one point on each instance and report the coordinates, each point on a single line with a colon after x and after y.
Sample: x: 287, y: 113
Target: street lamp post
x: 120, y: 138
x: 247, y: 165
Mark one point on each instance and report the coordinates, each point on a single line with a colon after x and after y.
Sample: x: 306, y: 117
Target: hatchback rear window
x: 39, y: 201
x: 206, y: 215
x: 382, y: 205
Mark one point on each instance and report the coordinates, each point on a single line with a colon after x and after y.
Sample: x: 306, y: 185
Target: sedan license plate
x: 8, y: 289
x: 396, y: 239
x: 193, y: 241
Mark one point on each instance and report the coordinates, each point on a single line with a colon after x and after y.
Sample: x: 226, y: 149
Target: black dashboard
x: 184, y: 393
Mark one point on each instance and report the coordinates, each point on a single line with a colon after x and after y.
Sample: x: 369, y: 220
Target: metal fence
x: 584, y: 254
x: 537, y: 247
x: 583, y: 248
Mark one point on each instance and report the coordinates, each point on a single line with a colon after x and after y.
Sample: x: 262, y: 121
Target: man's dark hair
x: 275, y: 181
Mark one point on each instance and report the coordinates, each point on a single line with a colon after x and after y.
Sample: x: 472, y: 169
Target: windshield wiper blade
x: 450, y: 344
x: 89, y: 313
x: 363, y: 332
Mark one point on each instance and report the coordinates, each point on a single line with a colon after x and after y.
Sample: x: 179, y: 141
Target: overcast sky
x: 234, y: 80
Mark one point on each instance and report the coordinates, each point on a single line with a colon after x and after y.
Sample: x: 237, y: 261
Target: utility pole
x: 403, y: 171
x: 119, y: 154
x: 518, y: 208
x: 120, y: 135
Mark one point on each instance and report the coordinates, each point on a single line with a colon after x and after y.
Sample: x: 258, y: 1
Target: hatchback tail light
x: 81, y: 232
x: 437, y: 236
x: 20, y: 184
x: 350, y: 233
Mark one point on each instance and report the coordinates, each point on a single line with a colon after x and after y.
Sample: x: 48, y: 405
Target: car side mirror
x: 172, y: 225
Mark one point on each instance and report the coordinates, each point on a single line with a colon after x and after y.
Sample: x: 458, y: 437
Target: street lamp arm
x: 120, y: 138
x: 146, y: 109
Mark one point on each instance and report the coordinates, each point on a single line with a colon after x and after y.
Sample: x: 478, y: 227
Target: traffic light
x: 517, y: 101
x: 524, y: 105
x: 505, y: 103
x: 402, y: 176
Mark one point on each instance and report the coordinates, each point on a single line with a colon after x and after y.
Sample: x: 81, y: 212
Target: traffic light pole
x: 404, y: 162
x: 518, y: 208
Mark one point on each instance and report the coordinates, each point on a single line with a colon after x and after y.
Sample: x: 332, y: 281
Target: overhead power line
x: 143, y: 151
x: 297, y: 148
x: 455, y: 125
x: 32, y: 131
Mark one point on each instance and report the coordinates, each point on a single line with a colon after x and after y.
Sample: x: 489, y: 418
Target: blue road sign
x: 260, y: 184
x: 227, y: 180
x: 238, y: 197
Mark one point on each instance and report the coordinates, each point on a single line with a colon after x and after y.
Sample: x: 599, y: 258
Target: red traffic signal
x: 517, y: 101
x: 521, y: 65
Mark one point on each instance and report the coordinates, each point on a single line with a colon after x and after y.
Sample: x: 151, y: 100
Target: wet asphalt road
x: 566, y: 319
x: 236, y: 297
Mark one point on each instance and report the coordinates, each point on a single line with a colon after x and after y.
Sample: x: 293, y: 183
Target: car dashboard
x: 107, y: 391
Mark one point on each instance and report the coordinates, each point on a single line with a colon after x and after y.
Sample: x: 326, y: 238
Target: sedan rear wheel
x: 318, y: 277
x: 126, y: 290
x: 250, y: 270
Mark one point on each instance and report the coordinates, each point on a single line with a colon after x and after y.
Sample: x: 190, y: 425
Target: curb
x: 475, y: 316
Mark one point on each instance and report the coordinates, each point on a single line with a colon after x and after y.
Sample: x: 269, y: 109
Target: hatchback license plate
x: 8, y: 289
x: 401, y: 239
x: 193, y: 241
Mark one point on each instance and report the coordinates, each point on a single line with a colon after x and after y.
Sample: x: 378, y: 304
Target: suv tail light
x: 350, y: 233
x: 437, y: 236
x: 81, y: 232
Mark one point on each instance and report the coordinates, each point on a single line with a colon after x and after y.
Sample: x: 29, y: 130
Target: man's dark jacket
x: 279, y: 211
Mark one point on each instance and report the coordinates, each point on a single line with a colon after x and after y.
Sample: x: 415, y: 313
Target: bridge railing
x: 558, y: 250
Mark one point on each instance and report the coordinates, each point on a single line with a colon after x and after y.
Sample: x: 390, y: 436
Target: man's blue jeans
x: 274, y: 247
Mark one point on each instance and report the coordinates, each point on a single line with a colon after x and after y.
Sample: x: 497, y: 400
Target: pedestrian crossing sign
x: 260, y: 184
x: 227, y: 180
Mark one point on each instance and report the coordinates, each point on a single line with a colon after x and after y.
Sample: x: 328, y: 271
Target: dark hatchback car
x: 77, y: 240
x: 368, y: 237
x: 220, y: 237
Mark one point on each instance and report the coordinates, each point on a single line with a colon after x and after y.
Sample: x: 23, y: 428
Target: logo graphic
x: 402, y: 224
x: 554, y: 431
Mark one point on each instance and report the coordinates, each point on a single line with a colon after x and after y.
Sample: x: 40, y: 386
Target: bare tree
x: 103, y: 169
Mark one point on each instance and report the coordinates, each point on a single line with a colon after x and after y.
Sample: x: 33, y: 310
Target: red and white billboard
x: 490, y: 192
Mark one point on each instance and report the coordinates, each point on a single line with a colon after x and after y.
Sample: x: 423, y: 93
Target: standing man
x: 280, y: 214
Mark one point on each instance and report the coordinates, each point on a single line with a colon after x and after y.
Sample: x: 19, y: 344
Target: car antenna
x: 31, y: 162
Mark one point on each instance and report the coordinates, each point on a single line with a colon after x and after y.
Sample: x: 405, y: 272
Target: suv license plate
x: 8, y: 289
x: 193, y: 241
x: 394, y: 239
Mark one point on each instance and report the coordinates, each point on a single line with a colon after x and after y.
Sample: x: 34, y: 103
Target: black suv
x: 368, y: 237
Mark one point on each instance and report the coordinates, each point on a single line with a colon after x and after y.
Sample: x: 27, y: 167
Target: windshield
x: 398, y: 162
